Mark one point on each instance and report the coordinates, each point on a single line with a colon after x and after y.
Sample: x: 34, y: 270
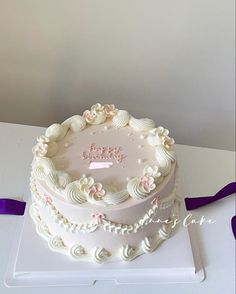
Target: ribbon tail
x: 193, y: 203
x: 11, y: 206
x: 233, y: 225
x: 226, y: 191
x: 196, y: 202
x: 229, y: 189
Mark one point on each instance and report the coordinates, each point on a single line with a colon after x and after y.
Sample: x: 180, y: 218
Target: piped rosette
x: 141, y: 187
x: 165, y: 155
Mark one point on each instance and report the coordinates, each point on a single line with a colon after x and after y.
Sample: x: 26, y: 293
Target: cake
x: 103, y: 185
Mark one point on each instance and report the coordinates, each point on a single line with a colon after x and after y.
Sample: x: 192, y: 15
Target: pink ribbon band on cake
x: 11, y: 206
x: 196, y: 202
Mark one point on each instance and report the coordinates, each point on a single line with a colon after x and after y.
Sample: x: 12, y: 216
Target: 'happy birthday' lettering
x: 103, y: 153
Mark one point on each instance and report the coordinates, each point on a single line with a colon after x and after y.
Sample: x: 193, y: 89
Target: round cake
x: 103, y: 185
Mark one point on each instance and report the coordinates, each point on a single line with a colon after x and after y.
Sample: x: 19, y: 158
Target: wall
x: 172, y: 61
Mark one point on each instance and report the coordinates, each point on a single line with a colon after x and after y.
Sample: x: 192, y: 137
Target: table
x: 203, y: 171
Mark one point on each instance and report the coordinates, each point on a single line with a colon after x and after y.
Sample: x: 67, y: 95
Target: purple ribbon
x: 196, y: 202
x: 11, y: 206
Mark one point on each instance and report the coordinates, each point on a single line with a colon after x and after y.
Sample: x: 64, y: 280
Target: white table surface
x: 202, y: 171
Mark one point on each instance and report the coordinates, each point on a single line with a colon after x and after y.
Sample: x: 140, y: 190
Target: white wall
x: 172, y: 61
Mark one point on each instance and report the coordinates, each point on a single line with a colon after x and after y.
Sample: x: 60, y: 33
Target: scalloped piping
x: 101, y: 255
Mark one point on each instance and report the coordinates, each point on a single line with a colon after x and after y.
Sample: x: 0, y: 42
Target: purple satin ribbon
x: 11, y: 206
x: 196, y: 202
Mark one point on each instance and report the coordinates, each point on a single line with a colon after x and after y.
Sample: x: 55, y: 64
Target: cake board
x: 32, y: 264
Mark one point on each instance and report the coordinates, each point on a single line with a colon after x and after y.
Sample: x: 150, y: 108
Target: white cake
x: 103, y: 185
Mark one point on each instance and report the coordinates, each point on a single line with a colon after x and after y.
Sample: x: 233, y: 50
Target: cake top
x: 104, y: 157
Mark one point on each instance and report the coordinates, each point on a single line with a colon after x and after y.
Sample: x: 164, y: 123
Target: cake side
x: 151, y: 225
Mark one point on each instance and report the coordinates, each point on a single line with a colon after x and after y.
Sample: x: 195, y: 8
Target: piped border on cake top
x: 86, y: 189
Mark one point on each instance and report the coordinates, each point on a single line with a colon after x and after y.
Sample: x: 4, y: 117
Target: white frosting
x: 139, y: 190
x: 164, y: 231
x: 73, y: 194
x: 56, y: 242
x: 121, y: 119
x: 115, y: 198
x: 43, y: 229
x: 52, y: 149
x: 76, y: 123
x: 43, y: 169
x: 76, y: 251
x: 148, y: 244
x: 98, y: 113
x: 100, y: 118
x: 101, y: 255
x: 56, y: 132
x: 133, y: 187
x: 143, y: 124
x: 164, y: 158
x: 160, y: 136
x: 128, y: 253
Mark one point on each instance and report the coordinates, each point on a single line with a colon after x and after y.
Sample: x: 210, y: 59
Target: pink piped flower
x: 168, y: 142
x: 164, y: 135
x: 99, y: 217
x: 97, y: 108
x: 147, y: 183
x: 96, y: 191
x: 156, y: 201
x: 40, y: 149
x: 43, y: 139
x: 110, y: 109
x: 160, y: 136
x: 89, y: 116
x: 47, y: 199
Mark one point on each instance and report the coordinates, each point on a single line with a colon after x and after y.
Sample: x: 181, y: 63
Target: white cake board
x: 33, y: 264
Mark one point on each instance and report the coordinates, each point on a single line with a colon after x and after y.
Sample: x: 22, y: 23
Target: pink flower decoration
x: 96, y: 191
x: 89, y: 116
x: 40, y: 150
x: 98, y: 216
x: 110, y: 109
x: 163, y: 134
x: 47, y: 199
x: 147, y: 183
x: 168, y: 142
x: 97, y: 108
x: 156, y: 201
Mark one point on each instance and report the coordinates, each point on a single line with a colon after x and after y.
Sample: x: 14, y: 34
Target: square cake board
x: 33, y: 264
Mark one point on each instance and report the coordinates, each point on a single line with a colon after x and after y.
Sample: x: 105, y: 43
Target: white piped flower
x: 93, y: 190
x: 43, y: 139
x: 147, y: 184
x: 160, y: 137
x: 96, y: 191
x: 89, y: 116
x: 152, y: 171
x: 96, y: 115
x: 40, y: 149
x: 110, y: 109
x: 84, y: 183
